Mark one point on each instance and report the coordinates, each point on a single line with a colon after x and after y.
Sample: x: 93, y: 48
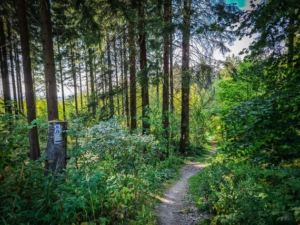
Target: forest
x: 140, y: 91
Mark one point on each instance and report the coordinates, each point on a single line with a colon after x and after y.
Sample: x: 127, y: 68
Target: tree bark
x: 132, y: 78
x: 171, y: 63
x: 4, y: 69
x: 74, y: 80
x: 185, y: 84
x: 92, y: 97
x: 166, y: 56
x: 117, y: 78
x: 143, y: 66
x: 80, y: 82
x: 19, y: 86
x: 122, y: 77
x: 29, y: 90
x: 157, y: 80
x: 80, y: 90
x: 61, y: 82
x: 110, y: 86
x: 171, y: 77
x: 87, y: 82
x: 48, y: 59
x: 95, y: 83
x: 126, y: 80
x: 12, y: 68
x: 103, y: 82
x: 57, y: 148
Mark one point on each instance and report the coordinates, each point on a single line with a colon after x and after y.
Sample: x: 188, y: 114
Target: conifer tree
x: 4, y: 68
x: 166, y: 74
x: 48, y: 59
x: 29, y: 90
x: 185, y: 83
x: 143, y: 64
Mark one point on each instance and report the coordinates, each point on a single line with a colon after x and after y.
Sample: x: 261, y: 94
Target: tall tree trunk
x: 4, y: 69
x: 19, y: 82
x: 171, y: 63
x: 92, y: 97
x: 185, y: 84
x: 106, y: 88
x: 87, y: 81
x: 171, y: 77
x: 158, y: 63
x: 117, y: 79
x: 80, y: 78
x: 61, y: 82
x: 29, y: 90
x: 122, y: 77
x: 157, y: 80
x: 95, y: 83
x: 80, y: 90
x: 48, y: 59
x: 74, y: 80
x: 166, y: 56
x: 110, y: 86
x: 143, y: 65
x: 132, y: 78
x: 12, y: 68
x: 126, y: 80
x: 103, y: 77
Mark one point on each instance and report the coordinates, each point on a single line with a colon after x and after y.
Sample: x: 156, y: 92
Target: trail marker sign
x: 57, y: 134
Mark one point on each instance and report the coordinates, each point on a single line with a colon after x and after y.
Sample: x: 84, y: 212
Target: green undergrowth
x: 198, y: 153
x: 237, y: 191
x: 110, y: 179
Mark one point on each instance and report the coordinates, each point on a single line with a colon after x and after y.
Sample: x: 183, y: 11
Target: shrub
x: 108, y: 180
x: 237, y: 192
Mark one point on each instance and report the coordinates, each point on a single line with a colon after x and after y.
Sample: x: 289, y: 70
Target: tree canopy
x: 141, y: 89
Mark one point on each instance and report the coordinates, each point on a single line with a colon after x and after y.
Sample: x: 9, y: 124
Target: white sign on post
x: 57, y: 134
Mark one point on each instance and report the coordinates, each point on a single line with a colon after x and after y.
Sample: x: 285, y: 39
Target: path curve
x: 175, y: 207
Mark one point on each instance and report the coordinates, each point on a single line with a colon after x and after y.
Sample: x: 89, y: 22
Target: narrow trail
x: 176, y: 207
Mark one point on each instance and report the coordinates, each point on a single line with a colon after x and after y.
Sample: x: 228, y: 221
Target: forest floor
x: 176, y: 207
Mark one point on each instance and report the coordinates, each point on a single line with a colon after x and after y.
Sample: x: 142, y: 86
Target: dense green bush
x: 108, y: 180
x: 265, y: 125
x: 237, y: 192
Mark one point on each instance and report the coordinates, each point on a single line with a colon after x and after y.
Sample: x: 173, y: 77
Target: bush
x: 237, y: 192
x: 109, y: 180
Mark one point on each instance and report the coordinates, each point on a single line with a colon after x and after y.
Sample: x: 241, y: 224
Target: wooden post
x: 56, y: 147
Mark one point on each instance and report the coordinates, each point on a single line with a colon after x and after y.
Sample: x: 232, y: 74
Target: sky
x: 238, y: 45
x: 240, y: 3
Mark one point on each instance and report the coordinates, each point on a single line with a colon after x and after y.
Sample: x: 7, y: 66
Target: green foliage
x: 154, y: 119
x: 109, y: 180
x: 108, y: 139
x: 272, y: 29
x: 258, y: 110
x: 11, y: 140
x: 231, y: 93
x: 199, y: 124
x: 255, y: 178
x: 265, y: 124
x: 237, y: 192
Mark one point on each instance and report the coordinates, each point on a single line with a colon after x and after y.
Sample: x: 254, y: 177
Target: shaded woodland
x: 138, y: 83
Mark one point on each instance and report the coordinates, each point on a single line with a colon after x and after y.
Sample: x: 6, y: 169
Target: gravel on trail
x: 176, y: 208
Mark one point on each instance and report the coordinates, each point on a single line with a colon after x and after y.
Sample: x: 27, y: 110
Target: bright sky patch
x: 240, y: 3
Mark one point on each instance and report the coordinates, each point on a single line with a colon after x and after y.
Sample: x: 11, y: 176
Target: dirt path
x: 176, y: 208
